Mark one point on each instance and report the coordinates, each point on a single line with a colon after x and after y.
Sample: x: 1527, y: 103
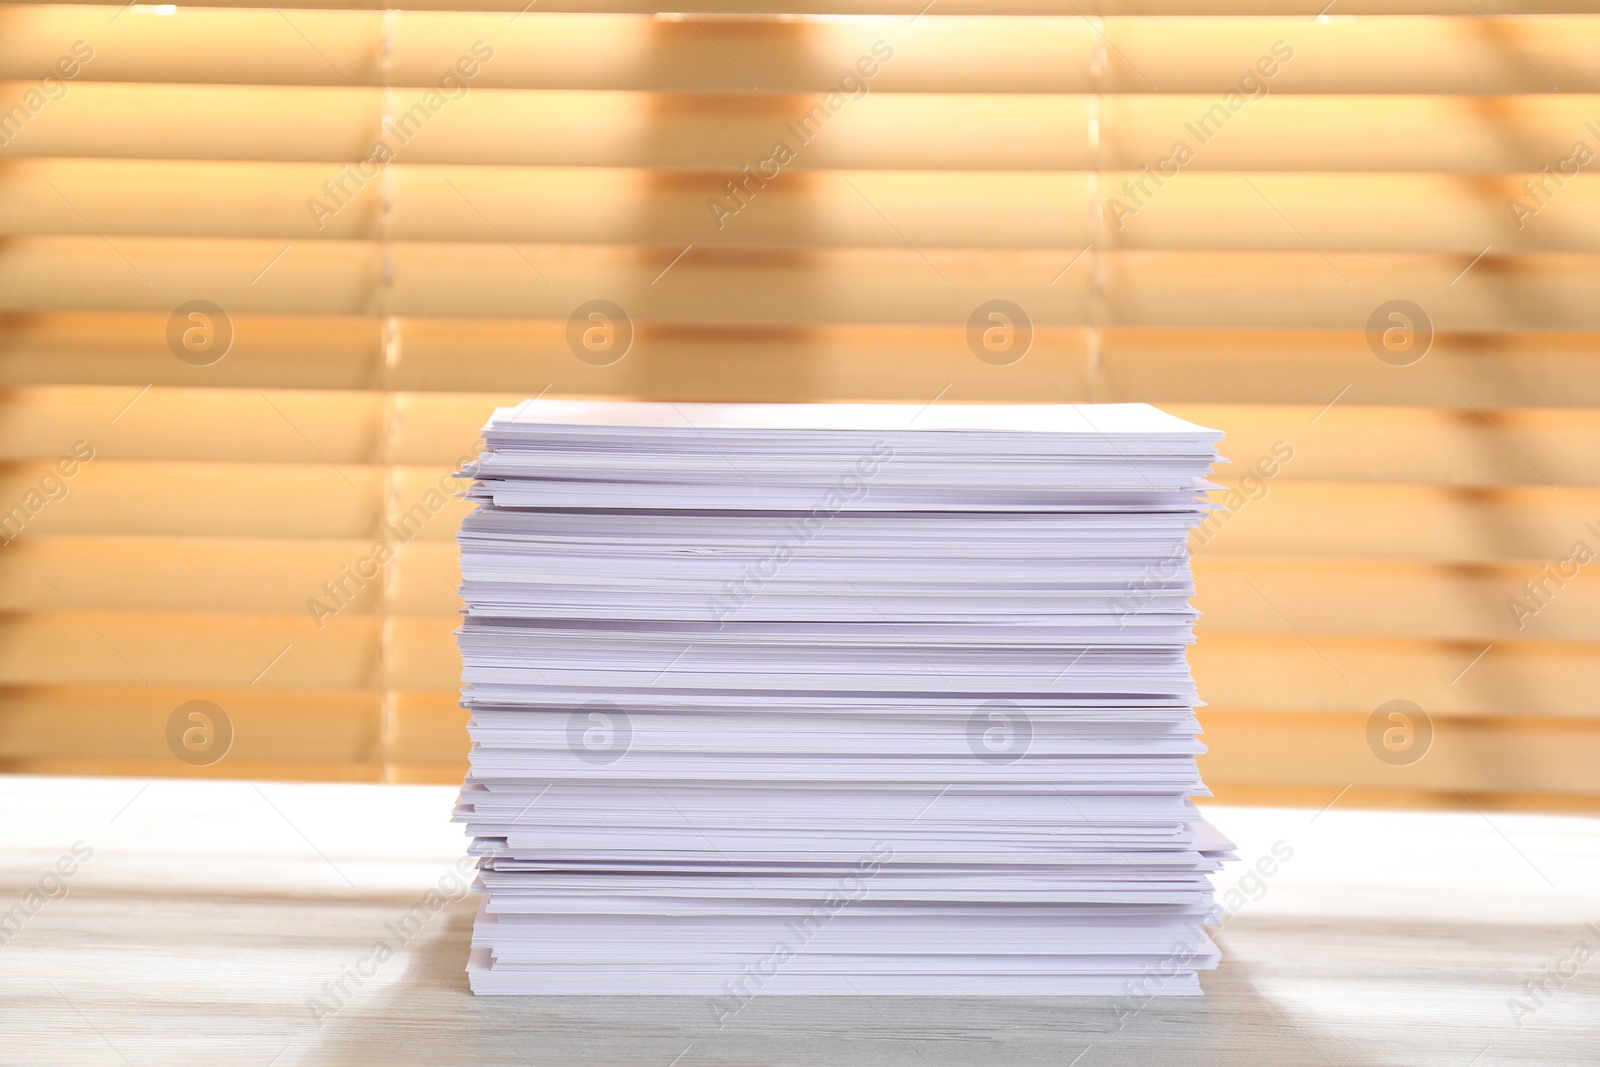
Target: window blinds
x: 266, y: 270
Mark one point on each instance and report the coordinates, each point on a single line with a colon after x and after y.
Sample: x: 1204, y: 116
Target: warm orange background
x: 185, y: 159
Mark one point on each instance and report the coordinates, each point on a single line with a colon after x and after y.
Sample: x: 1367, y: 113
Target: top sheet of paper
x: 1136, y: 420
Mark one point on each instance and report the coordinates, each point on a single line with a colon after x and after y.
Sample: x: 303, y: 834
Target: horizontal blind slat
x: 1283, y: 673
x: 938, y: 52
x: 973, y: 209
x: 909, y: 8
x: 1473, y: 757
x: 937, y: 131
x: 1349, y: 442
x: 823, y: 361
x: 67, y: 647
x: 1402, y: 599
x: 314, y: 498
x: 771, y: 287
x: 130, y: 722
x: 236, y: 576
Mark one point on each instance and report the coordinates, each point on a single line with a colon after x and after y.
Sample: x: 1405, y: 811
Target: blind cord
x: 393, y: 417
x: 1094, y: 378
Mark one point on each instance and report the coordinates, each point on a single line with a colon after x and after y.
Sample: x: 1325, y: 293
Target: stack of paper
x: 877, y: 699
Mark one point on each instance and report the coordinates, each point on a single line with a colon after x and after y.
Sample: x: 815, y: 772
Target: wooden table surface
x: 200, y: 921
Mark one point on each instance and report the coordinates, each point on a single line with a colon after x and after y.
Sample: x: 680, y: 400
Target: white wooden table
x: 211, y: 914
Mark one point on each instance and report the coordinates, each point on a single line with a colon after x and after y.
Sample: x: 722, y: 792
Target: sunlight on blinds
x: 266, y: 270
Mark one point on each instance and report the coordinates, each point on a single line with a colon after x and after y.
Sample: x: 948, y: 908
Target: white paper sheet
x: 901, y: 688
